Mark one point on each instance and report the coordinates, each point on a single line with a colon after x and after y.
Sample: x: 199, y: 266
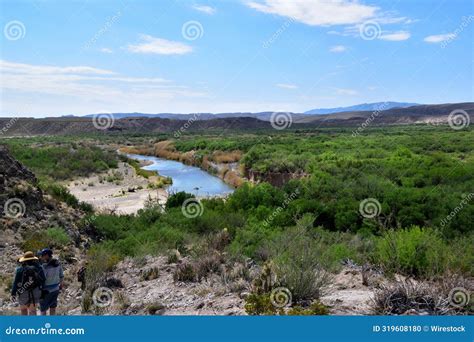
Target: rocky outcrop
x: 19, y: 194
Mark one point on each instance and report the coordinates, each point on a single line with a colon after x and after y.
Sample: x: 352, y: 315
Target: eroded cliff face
x: 277, y: 179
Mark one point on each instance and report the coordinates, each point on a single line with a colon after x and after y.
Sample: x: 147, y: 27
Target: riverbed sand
x: 121, y: 191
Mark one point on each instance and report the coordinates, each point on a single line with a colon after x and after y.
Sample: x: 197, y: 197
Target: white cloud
x: 317, y: 12
x: 395, y: 36
x: 159, y: 46
x: 106, y: 50
x: 205, y: 9
x: 20, y: 68
x: 338, y: 48
x: 439, y: 38
x: 86, y: 85
x: 286, y: 86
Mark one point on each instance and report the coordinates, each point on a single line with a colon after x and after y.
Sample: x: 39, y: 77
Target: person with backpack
x: 53, y: 284
x: 27, y: 284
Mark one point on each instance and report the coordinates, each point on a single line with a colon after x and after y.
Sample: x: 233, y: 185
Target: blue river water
x: 186, y: 178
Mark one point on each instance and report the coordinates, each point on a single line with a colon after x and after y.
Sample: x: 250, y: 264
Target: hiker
x: 27, y: 284
x: 53, y: 282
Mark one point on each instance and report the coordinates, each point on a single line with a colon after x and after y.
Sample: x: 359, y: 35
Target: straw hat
x: 27, y: 257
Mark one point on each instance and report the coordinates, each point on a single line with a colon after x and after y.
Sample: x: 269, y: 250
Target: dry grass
x: 136, y: 150
x: 233, y: 179
x: 408, y: 297
x: 226, y: 156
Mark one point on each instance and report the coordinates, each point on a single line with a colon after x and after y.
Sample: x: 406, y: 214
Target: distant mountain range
x: 261, y: 115
x: 192, y: 116
x: 422, y: 114
x: 379, y: 106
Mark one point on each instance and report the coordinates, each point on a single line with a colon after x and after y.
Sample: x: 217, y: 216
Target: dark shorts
x: 50, y: 300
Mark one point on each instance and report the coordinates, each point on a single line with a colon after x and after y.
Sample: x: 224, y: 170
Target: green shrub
x: 261, y: 304
x: 315, y: 309
x: 53, y: 237
x: 176, y: 200
x: 98, y: 264
x: 57, y: 237
x: 413, y: 251
x: 298, y: 265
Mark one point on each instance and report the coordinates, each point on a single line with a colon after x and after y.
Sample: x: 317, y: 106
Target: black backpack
x: 30, y: 278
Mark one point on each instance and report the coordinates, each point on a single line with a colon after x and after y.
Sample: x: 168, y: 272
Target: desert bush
x: 57, y: 237
x: 176, y: 200
x: 184, y: 272
x: 122, y: 300
x: 413, y: 251
x: 155, y: 309
x: 461, y: 256
x: 298, y: 265
x: 53, y: 237
x: 206, y: 264
x: 150, y: 274
x: 173, y: 256
x: 261, y: 304
x: 315, y: 309
x: 99, y: 263
x: 410, y: 297
x: 403, y: 296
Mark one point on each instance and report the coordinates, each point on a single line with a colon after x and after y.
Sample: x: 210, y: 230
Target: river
x: 186, y: 178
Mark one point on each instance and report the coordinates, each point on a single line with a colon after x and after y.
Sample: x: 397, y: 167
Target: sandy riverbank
x: 120, y: 190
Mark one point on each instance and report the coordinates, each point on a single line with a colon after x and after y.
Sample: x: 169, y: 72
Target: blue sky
x: 79, y: 57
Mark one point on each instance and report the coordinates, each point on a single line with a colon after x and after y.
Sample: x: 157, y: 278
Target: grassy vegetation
x: 421, y: 176
x: 61, y: 160
x: 54, y: 237
x: 138, y: 169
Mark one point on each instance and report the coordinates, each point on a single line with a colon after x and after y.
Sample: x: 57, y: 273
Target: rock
x: 244, y: 295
